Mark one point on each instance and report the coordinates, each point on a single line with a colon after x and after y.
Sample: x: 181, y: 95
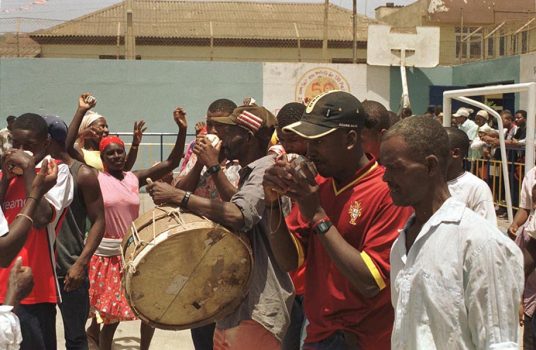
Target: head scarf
x: 106, y: 141
x: 88, y: 119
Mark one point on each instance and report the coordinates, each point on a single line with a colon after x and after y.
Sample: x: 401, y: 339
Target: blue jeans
x: 74, y: 312
x: 337, y: 341
x: 38, y: 326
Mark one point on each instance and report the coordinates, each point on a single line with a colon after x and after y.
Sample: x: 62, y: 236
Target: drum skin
x: 183, y: 271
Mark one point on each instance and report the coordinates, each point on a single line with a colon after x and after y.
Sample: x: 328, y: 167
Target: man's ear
x: 432, y: 163
x: 353, y: 137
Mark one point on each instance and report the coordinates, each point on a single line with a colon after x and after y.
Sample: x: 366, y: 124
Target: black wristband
x: 185, y: 199
x: 213, y: 169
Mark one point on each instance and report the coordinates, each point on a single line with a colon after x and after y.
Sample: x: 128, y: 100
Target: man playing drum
x: 261, y: 320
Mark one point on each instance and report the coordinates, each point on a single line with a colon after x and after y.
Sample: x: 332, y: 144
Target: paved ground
x: 127, y: 337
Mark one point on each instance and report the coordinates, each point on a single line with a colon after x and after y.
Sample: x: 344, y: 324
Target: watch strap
x: 213, y: 169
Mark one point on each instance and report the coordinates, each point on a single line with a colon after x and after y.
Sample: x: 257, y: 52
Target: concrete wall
x: 125, y: 90
x: 286, y: 82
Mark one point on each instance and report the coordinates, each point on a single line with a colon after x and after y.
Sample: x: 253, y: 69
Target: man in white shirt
x: 464, y: 186
x: 461, y: 119
x: 456, y: 280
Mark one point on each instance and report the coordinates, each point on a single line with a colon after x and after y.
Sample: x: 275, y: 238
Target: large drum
x: 182, y: 270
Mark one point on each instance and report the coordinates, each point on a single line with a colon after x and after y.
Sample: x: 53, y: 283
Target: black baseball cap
x: 328, y: 112
x: 57, y: 129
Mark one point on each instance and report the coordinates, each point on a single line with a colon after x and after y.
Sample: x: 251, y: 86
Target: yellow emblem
x: 354, y: 212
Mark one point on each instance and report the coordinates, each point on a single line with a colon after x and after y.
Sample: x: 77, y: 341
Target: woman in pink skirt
x: 120, y: 192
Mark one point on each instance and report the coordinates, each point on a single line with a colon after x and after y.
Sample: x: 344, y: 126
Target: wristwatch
x: 322, y: 226
x: 213, y: 169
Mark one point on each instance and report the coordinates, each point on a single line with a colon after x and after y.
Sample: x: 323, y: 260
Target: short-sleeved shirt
x: 365, y: 216
x: 526, y: 190
x: 270, y: 293
x: 37, y: 251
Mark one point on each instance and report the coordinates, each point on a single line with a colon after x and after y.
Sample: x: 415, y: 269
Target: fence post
x: 161, y: 147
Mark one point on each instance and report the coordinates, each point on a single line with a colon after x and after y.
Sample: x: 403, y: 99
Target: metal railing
x: 154, y: 148
x: 490, y: 171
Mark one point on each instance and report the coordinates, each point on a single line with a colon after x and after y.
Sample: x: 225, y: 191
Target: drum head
x: 188, y: 276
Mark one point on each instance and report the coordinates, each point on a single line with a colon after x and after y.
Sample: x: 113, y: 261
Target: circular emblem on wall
x: 317, y: 81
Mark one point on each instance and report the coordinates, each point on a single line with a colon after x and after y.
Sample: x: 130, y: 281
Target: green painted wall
x: 419, y: 82
x: 486, y: 72
x: 125, y: 90
x: 499, y: 70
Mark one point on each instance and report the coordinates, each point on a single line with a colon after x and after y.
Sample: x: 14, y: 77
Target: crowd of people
x: 366, y: 230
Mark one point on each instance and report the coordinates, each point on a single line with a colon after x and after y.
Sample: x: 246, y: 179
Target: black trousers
x: 38, y: 326
x: 74, y: 312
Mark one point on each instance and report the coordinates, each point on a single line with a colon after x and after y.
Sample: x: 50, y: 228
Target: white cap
x: 483, y: 114
x: 461, y: 112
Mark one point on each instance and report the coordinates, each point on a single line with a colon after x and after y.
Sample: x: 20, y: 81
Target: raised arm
x: 173, y: 160
x: 356, y: 265
x: 208, y: 156
x: 139, y: 129
x: 85, y: 103
x: 89, y: 186
x: 12, y: 242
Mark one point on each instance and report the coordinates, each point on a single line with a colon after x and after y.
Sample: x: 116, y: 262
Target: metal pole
x: 130, y: 41
x: 531, y: 115
x: 504, y: 158
x: 354, y: 31
x: 461, y: 34
x: 118, y: 43
x: 161, y: 147
x: 299, y: 41
x: 18, y: 35
x: 211, y: 42
x: 325, y: 37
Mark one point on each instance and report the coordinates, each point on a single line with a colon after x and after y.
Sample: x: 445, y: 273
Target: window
x: 471, y: 47
x: 502, y: 45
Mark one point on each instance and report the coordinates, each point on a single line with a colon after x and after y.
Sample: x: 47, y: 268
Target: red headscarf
x: 106, y: 141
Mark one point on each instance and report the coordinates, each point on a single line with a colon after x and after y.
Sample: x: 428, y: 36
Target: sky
x: 69, y: 9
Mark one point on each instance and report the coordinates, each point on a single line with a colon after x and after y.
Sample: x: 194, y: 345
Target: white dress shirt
x: 475, y: 193
x: 458, y: 287
x: 10, y: 334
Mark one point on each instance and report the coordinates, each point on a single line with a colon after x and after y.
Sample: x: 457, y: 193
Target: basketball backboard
x: 387, y: 46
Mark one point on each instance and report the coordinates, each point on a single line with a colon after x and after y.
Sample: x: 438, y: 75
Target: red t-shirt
x: 35, y: 252
x: 366, y: 217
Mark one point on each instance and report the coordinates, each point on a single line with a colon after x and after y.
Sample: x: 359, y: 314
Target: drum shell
x: 183, y: 271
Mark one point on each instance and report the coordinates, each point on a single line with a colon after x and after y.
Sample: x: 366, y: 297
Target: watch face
x: 323, y: 227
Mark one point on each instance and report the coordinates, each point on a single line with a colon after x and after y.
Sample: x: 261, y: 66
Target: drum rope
x: 280, y: 217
